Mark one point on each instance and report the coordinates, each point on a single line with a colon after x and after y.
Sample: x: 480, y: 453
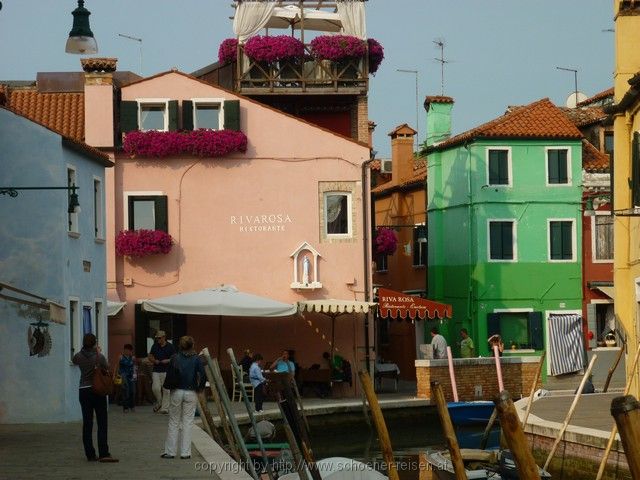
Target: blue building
x: 51, y: 254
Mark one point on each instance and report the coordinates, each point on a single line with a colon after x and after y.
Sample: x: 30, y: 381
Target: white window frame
x: 75, y: 326
x: 574, y: 240
x: 593, y: 234
x: 349, y: 234
x: 98, y: 199
x: 514, y: 240
x: 135, y: 193
x: 153, y: 101
x: 569, y: 167
x: 73, y: 220
x: 420, y: 265
x: 205, y: 102
x: 509, y: 163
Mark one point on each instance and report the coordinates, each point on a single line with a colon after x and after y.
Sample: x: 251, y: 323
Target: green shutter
x: 187, y: 115
x: 563, y: 174
x: 507, y: 240
x: 232, y: 115
x: 494, y: 173
x: 552, y: 166
x: 128, y: 116
x: 498, y: 167
x: 162, y: 222
x: 536, y: 332
x: 173, y: 115
x: 495, y: 241
x: 567, y: 241
x: 635, y: 169
x: 555, y: 231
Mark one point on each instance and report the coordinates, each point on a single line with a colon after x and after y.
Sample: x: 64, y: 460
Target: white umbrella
x: 316, y: 20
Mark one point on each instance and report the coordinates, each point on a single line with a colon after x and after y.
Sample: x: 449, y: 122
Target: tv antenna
x: 575, y: 83
x: 440, y: 44
x: 136, y: 39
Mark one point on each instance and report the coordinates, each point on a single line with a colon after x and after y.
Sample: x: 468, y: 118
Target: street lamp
x: 81, y: 39
x: 74, y: 205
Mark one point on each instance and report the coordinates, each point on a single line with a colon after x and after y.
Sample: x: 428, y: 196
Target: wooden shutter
x: 187, y: 115
x: 536, y: 332
x: 128, y: 116
x: 552, y: 166
x: 232, y: 115
x: 592, y: 324
x: 563, y: 174
x: 495, y: 241
x: 493, y: 324
x: 635, y: 170
x: 555, y: 231
x: 507, y: 240
x: 494, y: 170
x: 162, y: 222
x: 173, y: 115
x: 567, y: 240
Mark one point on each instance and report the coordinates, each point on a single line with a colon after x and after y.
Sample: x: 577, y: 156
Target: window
x: 561, y: 240
x: 98, y: 311
x: 602, y: 237
x: 75, y: 341
x: 72, y: 217
x: 208, y: 114
x: 558, y: 166
x: 608, y: 144
x: 381, y: 262
x: 519, y: 327
x: 502, y: 240
x: 337, y: 211
x: 419, y: 245
x: 148, y: 212
x: 98, y: 222
x: 498, y: 167
x: 153, y: 116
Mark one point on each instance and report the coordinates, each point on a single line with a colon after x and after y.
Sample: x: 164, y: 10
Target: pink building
x: 241, y: 219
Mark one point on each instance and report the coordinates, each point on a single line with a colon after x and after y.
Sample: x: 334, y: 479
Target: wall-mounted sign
x: 273, y: 222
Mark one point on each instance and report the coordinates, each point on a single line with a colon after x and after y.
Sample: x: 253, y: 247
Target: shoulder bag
x: 102, y: 379
x: 172, y: 379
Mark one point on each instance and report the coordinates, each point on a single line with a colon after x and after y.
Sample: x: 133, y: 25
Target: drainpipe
x: 367, y: 201
x: 470, y: 220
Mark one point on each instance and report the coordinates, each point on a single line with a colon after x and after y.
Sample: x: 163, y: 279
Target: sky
x: 499, y: 52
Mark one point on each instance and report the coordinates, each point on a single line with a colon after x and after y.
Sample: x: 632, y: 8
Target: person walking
x: 88, y: 359
x: 438, y: 344
x: 467, y: 348
x: 184, y: 399
x: 257, y: 381
x: 126, y: 369
x: 161, y: 352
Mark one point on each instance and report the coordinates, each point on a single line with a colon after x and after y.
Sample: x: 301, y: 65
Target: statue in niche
x: 306, y: 267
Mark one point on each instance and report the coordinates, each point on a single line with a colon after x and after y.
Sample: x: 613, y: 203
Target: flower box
x: 228, y: 51
x: 376, y: 55
x: 200, y: 143
x: 386, y: 241
x: 270, y: 49
x: 141, y: 243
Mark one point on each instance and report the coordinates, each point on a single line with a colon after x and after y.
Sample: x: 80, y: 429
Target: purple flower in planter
x: 386, y: 241
x: 376, y: 55
x: 141, y: 243
x: 200, y: 143
x: 228, y: 50
x: 273, y: 49
x: 338, y: 47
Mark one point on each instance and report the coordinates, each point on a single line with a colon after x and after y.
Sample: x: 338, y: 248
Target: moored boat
x: 470, y: 413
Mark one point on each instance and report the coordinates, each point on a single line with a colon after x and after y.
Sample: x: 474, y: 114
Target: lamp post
x: 415, y: 72
x: 81, y: 39
x: 74, y: 205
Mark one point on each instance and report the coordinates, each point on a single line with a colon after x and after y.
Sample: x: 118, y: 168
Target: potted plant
x: 199, y: 143
x: 386, y: 241
x: 267, y: 50
x: 376, y: 55
x: 345, y: 50
x: 228, y: 51
x: 141, y: 243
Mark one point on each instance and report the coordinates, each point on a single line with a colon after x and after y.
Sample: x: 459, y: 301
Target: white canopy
x: 332, y: 306
x: 317, y: 20
x: 225, y: 300
x: 113, y: 308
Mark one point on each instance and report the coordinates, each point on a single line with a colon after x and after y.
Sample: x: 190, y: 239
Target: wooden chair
x: 236, y: 393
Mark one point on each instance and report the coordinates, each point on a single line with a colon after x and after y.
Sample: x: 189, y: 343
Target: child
x: 126, y: 369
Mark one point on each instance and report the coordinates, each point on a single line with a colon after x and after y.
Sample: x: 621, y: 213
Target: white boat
x: 341, y: 468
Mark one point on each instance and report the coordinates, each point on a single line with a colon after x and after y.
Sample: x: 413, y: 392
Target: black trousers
x: 258, y: 396
x: 90, y: 402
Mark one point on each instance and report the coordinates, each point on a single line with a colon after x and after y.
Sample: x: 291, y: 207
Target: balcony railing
x: 301, y: 75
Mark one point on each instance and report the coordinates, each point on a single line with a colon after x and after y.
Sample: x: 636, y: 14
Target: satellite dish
x: 574, y: 98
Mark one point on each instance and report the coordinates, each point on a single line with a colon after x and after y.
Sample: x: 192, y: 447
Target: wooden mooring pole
x: 437, y: 395
x: 626, y: 412
x: 514, y: 436
x: 533, y: 388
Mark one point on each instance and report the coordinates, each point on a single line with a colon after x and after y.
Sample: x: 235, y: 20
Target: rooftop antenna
x: 415, y: 72
x: 136, y: 39
x: 575, y: 80
x: 440, y: 44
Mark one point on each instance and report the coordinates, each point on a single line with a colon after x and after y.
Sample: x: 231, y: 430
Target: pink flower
x: 338, y: 47
x: 376, y: 55
x: 200, y: 143
x: 273, y: 49
x: 228, y: 50
x: 140, y: 243
x: 386, y: 241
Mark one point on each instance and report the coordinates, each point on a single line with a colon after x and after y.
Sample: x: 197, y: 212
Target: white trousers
x: 161, y: 394
x: 181, y: 412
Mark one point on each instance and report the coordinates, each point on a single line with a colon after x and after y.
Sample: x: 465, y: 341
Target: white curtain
x: 334, y: 207
x: 353, y: 18
x: 251, y: 17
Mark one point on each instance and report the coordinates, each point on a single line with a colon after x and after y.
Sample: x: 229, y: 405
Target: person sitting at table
x: 258, y: 381
x: 283, y: 364
x: 340, y: 368
x: 246, y: 361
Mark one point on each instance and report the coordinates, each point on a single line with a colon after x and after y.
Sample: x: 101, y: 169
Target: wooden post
x: 514, y: 436
x: 612, y: 369
x: 381, y: 426
x: 300, y: 465
x: 567, y: 419
x: 533, y: 388
x: 614, y: 429
x: 449, y: 433
x: 452, y: 374
x: 207, y: 419
x: 487, y: 430
x: 626, y: 412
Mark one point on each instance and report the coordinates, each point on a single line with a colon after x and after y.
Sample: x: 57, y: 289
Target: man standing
x: 160, y: 355
x: 257, y: 381
x: 467, y: 348
x: 438, y: 344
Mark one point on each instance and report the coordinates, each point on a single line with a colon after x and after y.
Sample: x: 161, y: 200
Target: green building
x: 504, y: 223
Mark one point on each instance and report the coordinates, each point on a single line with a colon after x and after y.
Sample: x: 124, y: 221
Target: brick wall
x: 517, y: 375
x: 360, y: 119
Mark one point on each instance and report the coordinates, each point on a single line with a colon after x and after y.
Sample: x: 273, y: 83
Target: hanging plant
x: 228, y: 51
x: 141, y: 243
x: 200, y: 143
x: 376, y: 55
x: 338, y: 47
x: 386, y: 241
x: 273, y: 49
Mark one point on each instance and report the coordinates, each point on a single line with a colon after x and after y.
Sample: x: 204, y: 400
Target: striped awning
x: 332, y: 306
x: 566, y: 344
x: 400, y: 305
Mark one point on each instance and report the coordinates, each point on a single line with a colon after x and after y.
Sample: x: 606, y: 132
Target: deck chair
x: 236, y: 393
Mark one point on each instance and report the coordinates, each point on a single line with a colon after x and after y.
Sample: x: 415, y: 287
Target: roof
x: 404, y: 129
x: 629, y: 97
x: 538, y: 120
x: 437, y: 99
x: 593, y: 160
x: 598, y: 97
x: 417, y: 179
x: 584, y: 116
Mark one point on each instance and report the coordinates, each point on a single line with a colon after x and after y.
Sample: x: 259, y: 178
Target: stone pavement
x: 592, y: 410
x: 54, y: 451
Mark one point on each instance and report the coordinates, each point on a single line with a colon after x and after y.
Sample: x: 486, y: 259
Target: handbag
x: 172, y: 379
x: 102, y: 380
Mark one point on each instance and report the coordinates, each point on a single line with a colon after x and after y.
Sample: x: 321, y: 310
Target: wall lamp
x: 589, y: 208
x: 74, y: 205
x: 81, y: 40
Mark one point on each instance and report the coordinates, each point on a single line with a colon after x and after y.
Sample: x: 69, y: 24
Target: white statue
x: 306, y: 266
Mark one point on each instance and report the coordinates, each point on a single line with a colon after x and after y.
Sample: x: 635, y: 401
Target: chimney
x: 98, y: 101
x: 402, y: 153
x: 372, y: 127
x: 438, y: 118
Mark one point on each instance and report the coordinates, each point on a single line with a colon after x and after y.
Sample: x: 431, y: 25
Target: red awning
x: 400, y: 305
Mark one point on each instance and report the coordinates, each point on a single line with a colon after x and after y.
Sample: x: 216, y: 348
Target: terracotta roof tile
x: 584, y: 116
x: 593, y: 160
x: 437, y: 99
x: 61, y: 112
x: 541, y: 119
x: 598, y: 97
